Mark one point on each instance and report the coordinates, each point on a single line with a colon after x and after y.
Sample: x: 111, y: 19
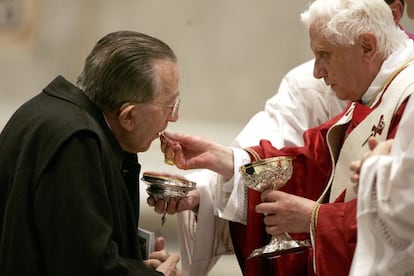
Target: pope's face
x: 342, y: 67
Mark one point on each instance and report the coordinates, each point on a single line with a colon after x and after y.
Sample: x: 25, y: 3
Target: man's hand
x: 189, y: 203
x: 381, y: 148
x: 162, y: 261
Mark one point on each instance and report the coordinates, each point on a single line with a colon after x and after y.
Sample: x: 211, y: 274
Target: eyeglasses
x: 175, y: 106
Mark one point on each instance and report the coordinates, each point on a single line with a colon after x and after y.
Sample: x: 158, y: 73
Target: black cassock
x: 68, y: 193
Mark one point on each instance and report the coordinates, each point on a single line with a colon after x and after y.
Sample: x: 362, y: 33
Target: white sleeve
x: 231, y: 200
x: 203, y: 237
x: 386, y: 206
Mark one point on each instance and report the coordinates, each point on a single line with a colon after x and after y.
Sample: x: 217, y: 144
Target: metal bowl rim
x: 169, y: 181
x: 262, y: 162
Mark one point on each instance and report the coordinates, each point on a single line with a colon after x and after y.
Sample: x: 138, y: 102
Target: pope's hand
x: 193, y: 152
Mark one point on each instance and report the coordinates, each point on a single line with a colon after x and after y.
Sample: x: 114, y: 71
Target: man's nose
x: 318, y: 71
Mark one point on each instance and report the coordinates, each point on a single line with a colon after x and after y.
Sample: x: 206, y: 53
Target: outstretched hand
x: 193, y: 152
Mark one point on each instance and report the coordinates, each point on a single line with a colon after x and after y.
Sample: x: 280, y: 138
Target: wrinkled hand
x: 162, y: 261
x: 381, y: 148
x: 189, y: 203
x: 193, y: 152
x: 285, y: 212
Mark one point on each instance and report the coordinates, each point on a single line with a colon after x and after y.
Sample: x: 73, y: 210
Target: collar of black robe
x: 63, y: 89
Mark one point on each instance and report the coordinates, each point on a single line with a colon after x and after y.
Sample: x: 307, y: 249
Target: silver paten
x: 167, y: 188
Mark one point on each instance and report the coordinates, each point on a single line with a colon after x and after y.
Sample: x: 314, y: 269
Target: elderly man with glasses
x: 69, y: 177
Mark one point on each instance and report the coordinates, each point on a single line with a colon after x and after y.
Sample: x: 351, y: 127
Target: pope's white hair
x: 342, y: 21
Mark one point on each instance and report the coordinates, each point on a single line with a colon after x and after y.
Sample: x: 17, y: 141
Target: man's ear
x: 126, y: 118
x: 369, y: 44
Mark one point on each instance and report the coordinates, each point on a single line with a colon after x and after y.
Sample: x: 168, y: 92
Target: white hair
x: 343, y: 21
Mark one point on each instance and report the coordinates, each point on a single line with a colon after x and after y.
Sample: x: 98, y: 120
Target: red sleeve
x: 335, y: 238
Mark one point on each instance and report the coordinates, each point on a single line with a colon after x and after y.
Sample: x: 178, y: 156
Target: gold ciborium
x: 167, y: 188
x: 272, y: 173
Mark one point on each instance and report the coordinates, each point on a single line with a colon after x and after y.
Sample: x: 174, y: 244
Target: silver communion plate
x: 166, y: 187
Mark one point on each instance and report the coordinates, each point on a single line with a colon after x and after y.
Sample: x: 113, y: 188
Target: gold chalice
x: 272, y: 173
x: 167, y: 188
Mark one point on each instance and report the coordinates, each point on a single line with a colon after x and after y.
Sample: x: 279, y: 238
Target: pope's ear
x: 126, y: 118
x: 369, y: 45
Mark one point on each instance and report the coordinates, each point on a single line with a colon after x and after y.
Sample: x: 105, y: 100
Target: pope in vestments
x: 364, y: 58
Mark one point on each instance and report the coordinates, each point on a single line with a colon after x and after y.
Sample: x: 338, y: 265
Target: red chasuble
x: 335, y: 238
